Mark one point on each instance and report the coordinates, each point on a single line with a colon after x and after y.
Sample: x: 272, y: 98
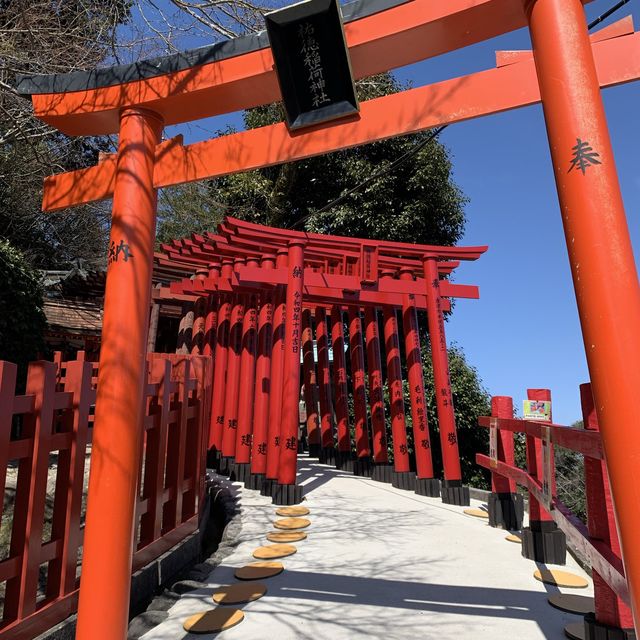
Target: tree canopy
x: 49, y: 37
x: 416, y: 202
x: 22, y: 321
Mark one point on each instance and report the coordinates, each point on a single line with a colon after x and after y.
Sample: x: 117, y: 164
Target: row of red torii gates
x: 256, y: 289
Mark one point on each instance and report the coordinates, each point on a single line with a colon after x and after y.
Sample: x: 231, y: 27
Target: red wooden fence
x: 597, y: 540
x: 44, y: 460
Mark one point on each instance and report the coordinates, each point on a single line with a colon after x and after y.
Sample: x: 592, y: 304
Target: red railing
x: 45, y: 439
x: 597, y: 540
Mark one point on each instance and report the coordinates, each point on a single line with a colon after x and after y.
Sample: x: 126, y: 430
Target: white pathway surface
x: 382, y: 563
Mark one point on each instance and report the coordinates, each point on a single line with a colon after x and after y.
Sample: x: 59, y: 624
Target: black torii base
x: 267, y: 487
x: 542, y: 541
x: 344, y: 461
x: 287, y: 494
x: 255, y: 481
x: 315, y: 450
x: 454, y: 492
x: 239, y: 472
x: 429, y: 487
x: 363, y: 467
x: 404, y: 480
x: 506, y: 511
x: 327, y: 455
x: 382, y: 473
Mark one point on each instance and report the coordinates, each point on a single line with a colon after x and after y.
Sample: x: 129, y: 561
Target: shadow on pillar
x: 594, y: 630
x: 327, y: 455
x: 506, y: 511
x: 542, y: 541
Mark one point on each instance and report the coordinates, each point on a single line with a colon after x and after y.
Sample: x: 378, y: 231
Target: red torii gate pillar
x: 214, y: 457
x: 327, y: 452
x: 426, y: 484
x: 452, y: 490
x: 382, y: 469
x: 362, y: 464
x: 343, y: 453
x: 108, y: 541
x: 287, y: 491
x: 598, y: 244
x: 275, y: 385
x: 310, y: 386
x: 262, y: 389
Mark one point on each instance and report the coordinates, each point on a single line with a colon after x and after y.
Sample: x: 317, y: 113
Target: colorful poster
x: 537, y: 410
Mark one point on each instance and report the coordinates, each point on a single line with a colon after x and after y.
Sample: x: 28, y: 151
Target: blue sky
x: 524, y: 331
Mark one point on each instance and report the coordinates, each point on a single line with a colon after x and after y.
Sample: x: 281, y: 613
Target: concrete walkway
x: 382, y: 563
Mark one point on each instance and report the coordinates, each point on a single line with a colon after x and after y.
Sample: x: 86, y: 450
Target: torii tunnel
x: 565, y: 72
x: 259, y: 291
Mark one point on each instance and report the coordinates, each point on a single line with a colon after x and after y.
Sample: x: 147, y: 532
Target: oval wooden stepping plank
x: 560, y: 578
x: 571, y: 603
x: 476, y: 513
x: 292, y: 511
x: 286, y: 536
x: 575, y: 631
x: 213, y: 620
x: 292, y: 523
x: 272, y: 551
x: 513, y: 538
x: 259, y: 570
x: 239, y: 593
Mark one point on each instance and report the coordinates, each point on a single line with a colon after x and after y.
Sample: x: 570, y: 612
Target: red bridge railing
x: 45, y: 440
x: 597, y: 540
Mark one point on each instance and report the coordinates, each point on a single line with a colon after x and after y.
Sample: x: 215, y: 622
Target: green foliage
x: 570, y: 483
x: 22, y: 320
x: 470, y: 400
x: 416, y: 202
x: 44, y: 37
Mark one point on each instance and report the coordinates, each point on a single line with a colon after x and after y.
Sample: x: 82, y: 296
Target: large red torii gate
x: 565, y: 72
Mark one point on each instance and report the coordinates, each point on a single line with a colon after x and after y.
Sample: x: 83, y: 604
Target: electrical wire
x: 607, y: 13
x: 374, y: 176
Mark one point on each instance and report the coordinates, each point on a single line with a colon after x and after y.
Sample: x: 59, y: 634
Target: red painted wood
x: 442, y: 380
x: 502, y: 407
x: 610, y: 609
x: 291, y: 365
x: 216, y: 428
x: 262, y: 385
x: 28, y: 518
x: 324, y: 379
x: 358, y: 383
x: 247, y: 382
x: 534, y: 462
x: 340, y: 392
x: 232, y: 384
x: 61, y: 578
x: 376, y: 394
x: 274, y: 443
x: 396, y: 392
x: 421, y: 438
x: 310, y: 380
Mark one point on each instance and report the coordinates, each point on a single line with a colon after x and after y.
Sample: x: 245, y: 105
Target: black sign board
x: 312, y: 62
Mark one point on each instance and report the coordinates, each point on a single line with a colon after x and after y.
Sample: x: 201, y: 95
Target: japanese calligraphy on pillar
x: 295, y: 325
